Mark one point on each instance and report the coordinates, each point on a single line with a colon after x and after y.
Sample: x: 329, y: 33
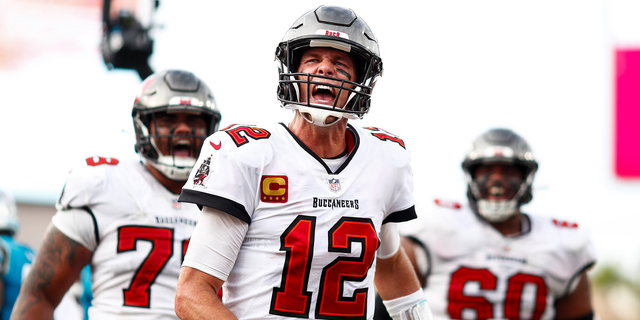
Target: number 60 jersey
x: 475, y: 272
x: 138, y: 234
x: 310, y: 248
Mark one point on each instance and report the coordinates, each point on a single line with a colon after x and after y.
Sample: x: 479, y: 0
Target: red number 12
x: 292, y: 299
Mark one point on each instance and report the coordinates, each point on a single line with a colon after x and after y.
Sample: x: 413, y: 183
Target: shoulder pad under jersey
x: 393, y: 147
x: 571, y: 235
x: 241, y: 142
x: 85, y: 180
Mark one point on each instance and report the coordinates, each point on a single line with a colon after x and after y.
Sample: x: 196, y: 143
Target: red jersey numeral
x: 139, y: 292
x: 96, y: 161
x: 292, y: 299
x: 185, y: 245
x: 513, y: 300
x: 331, y: 303
x: 240, y: 134
x: 458, y: 301
x: 385, y: 136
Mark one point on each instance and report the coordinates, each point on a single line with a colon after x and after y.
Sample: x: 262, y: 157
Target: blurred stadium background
x: 563, y: 73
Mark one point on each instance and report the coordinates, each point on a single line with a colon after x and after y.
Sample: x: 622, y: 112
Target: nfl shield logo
x: 334, y: 184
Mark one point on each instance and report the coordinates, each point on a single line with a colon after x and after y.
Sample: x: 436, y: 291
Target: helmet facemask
x: 496, y: 200
x: 324, y: 114
x: 170, y: 146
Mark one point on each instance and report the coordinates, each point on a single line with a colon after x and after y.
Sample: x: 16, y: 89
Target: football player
x: 485, y: 259
x: 298, y: 219
x: 122, y: 217
x: 15, y: 257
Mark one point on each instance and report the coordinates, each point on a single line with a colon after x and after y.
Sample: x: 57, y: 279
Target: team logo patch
x: 334, y: 184
x: 274, y: 189
x: 203, y: 173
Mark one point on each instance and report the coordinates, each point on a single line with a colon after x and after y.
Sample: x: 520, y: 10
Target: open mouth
x: 324, y: 93
x: 182, y: 148
x: 497, y: 192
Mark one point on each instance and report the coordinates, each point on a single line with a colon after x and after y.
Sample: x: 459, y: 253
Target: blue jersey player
x: 15, y: 257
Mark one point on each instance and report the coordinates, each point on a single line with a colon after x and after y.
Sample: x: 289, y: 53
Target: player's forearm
x: 32, y: 305
x: 201, y: 306
x: 197, y: 297
x: 395, y: 277
x: 57, y: 265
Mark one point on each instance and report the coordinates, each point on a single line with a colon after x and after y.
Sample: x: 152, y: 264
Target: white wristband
x: 410, y: 307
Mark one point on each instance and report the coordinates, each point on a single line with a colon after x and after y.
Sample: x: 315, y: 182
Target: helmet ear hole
x: 527, y: 197
x: 283, y: 90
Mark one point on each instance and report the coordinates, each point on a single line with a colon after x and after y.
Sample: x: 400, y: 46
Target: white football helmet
x: 329, y: 27
x: 172, y: 91
x: 9, y: 221
x: 499, y: 146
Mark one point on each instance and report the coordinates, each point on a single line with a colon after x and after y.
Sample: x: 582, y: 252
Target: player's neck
x: 173, y: 186
x: 325, y: 142
x: 512, y: 226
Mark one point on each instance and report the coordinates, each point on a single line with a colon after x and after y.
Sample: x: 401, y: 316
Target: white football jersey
x: 138, y: 233
x: 475, y: 272
x: 310, y: 250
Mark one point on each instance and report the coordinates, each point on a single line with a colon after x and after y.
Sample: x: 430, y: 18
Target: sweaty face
x: 179, y: 134
x: 331, y: 63
x: 498, y: 181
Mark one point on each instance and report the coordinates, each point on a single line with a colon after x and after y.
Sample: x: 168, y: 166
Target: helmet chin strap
x: 497, y: 210
x: 174, y: 168
x: 319, y: 117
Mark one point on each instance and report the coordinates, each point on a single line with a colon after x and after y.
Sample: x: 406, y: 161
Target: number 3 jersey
x: 475, y: 272
x: 138, y: 234
x: 310, y: 248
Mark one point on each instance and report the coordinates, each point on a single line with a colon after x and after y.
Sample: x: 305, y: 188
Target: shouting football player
x: 122, y: 217
x: 485, y: 259
x: 299, y: 219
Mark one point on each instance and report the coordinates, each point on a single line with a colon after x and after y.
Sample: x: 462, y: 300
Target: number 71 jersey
x: 310, y: 249
x: 138, y: 234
